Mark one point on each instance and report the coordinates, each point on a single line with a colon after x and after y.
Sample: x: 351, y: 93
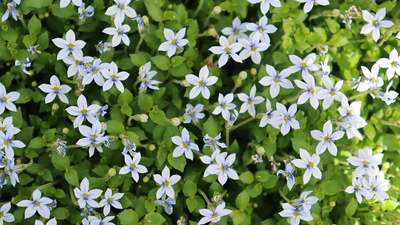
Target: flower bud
x: 375, y: 208
x: 335, y: 12
x: 152, y: 147
x: 34, y: 84
x: 112, y: 172
x: 143, y: 118
x: 217, y: 10
x: 184, y: 83
x: 385, y: 166
x: 65, y: 130
x: 255, y: 205
x: 146, y: 179
x: 146, y: 22
x: 243, y: 75
x: 212, y: 32
x: 103, y: 127
x: 46, y: 14
x: 175, y: 121
x: 55, y: 107
x: 170, y: 6
x: 332, y: 204
x: 260, y: 150
x: 253, y: 71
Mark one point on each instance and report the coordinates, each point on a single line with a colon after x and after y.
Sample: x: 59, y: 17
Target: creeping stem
x: 204, y: 196
x: 139, y: 43
x: 358, y: 95
x: 283, y: 195
x: 227, y: 138
x: 48, y: 185
x: 72, y: 195
x: 198, y: 8
x: 243, y: 123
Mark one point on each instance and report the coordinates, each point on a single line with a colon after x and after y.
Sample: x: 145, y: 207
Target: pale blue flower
x: 121, y: 9
x: 265, y: 4
x: 365, y: 162
x: 201, y: 83
x: 65, y: 3
x: 326, y: 69
x: 224, y: 105
x: 211, y: 160
x: 38, y: 204
x: 167, y: 203
x: 372, y: 80
x: 110, y: 200
x: 166, y: 181
x: 10, y: 9
x: 50, y: 222
x: 87, y: 210
x: 214, y: 214
x: 3, y: 180
x: 356, y: 187
x: 276, y: 81
x: 24, y: 64
x: 93, y: 137
x: 85, y: 196
x: 268, y: 115
x: 238, y: 30
x: 194, y: 114
x: 310, y: 163
x: 286, y: 118
x: 310, y: 4
x: 330, y: 92
x: 252, y: 48
x: 7, y: 142
x: 85, y: 12
x: 288, y: 173
x: 33, y: 49
x: 83, y: 111
x: 378, y: 186
x: 326, y: 138
x: 113, y: 77
x: 184, y: 145
x: 129, y: 148
x: 141, y: 27
x: 95, y: 72
x: 55, y: 89
x: 388, y: 97
x: 249, y: 101
x: 347, y: 19
x: 262, y: 30
x: 226, y: 50
x: 11, y: 170
x: 69, y: 46
x: 8, y: 124
x: 61, y: 147
x: 132, y: 165
x: 102, y: 111
x: 7, y: 217
x: 351, y: 113
x: 213, y: 142
x: 221, y: 168
x: 103, y: 47
x: 119, y: 33
x: 375, y: 22
x: 77, y: 66
x: 305, y: 65
x: 146, y: 77
x: 173, y: 41
x: 393, y: 64
x: 233, y: 117
x: 310, y: 91
x: 296, y: 214
x: 306, y: 202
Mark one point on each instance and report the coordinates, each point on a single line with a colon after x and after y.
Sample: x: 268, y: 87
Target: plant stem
x: 198, y: 153
x: 48, y: 185
x: 72, y: 195
x: 384, y: 122
x: 243, y: 123
x: 198, y: 8
x: 358, y: 95
x: 139, y: 43
x: 204, y: 196
x: 208, y: 107
x: 208, y: 58
x: 227, y: 138
x: 284, y: 196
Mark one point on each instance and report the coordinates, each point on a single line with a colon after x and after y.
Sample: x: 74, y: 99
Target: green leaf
x: 262, y: 176
x: 125, y: 109
x: 115, y: 127
x: 60, y: 162
x: 238, y: 216
x: 154, y: 11
x: 242, y: 200
x: 60, y: 213
x: 39, y: 3
x: 24, y: 179
x: 389, y: 205
x: 29, y: 40
x: 150, y: 206
x: 181, y: 12
x: 125, y: 98
x: 161, y: 61
x: 211, y: 127
x: 170, y: 15
x: 72, y: 177
x: 331, y: 187
x: 49, y: 134
x: 191, y: 204
x: 189, y: 189
x: 37, y: 142
x: 154, y: 219
x: 145, y: 102
x: 181, y: 70
x: 338, y: 40
x: 47, y: 176
x: 34, y: 25
x: 351, y: 208
x: 178, y: 163
x: 177, y: 60
x: 137, y: 59
x: 157, y: 116
x: 246, y: 177
x: 128, y: 217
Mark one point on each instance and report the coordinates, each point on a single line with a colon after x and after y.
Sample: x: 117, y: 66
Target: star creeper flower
x: 55, y: 89
x: 77, y: 66
x: 11, y: 170
x: 50, y: 222
x: 213, y: 142
x: 285, y: 118
x: 393, y: 64
x: 119, y: 33
x: 83, y: 111
x: 133, y: 166
x: 93, y: 137
x: 330, y: 93
x: 194, y: 114
x: 65, y: 3
x: 167, y: 203
x: 8, y: 124
x: 93, y: 72
x: 310, y: 164
x: 166, y: 181
x: 250, y: 101
x: 310, y: 4
x: 201, y: 83
x: 24, y: 64
x: 238, y: 30
x: 10, y: 9
x: 377, y: 186
x: 296, y: 214
x: 356, y: 186
x: 69, y: 46
x: 264, y: 6
x: 351, y: 113
x: 214, y: 215
x: 184, y: 145
x: 7, y: 99
x: 375, y: 22
x: 326, y: 69
x: 38, y: 204
x: 305, y: 65
x: 388, y: 97
x: 173, y: 41
x: 365, y: 162
x: 224, y: 105
x: 221, y: 168
x: 121, y: 9
x: 211, y: 160
x: 252, y: 48
x: 85, y: 12
x: 85, y: 196
x: 7, y: 142
x: 226, y: 50
x: 110, y: 200
x: 326, y: 138
x: 268, y: 115
x: 305, y: 202
x: 371, y: 80
x: 262, y: 30
x: 276, y: 81
x: 5, y: 215
x: 113, y: 77
x: 147, y: 82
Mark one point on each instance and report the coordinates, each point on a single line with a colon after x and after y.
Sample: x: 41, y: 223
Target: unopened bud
x: 146, y: 22
x: 332, y: 204
x: 385, y: 166
x: 212, y: 31
x: 65, y: 130
x: 335, y: 12
x: 255, y: 205
x: 146, y: 179
x: 170, y: 6
x: 260, y: 150
x: 152, y: 147
x: 103, y: 127
x: 112, y: 172
x: 175, y: 121
x: 143, y: 118
x: 253, y: 71
x: 34, y: 84
x: 375, y: 208
x: 217, y: 10
x: 55, y: 107
x: 243, y: 75
x: 46, y: 14
x: 41, y: 16
x: 184, y: 83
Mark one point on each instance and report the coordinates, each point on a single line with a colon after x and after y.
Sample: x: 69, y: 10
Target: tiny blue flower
x: 167, y: 203
x: 24, y: 64
x: 85, y: 12
x: 288, y: 173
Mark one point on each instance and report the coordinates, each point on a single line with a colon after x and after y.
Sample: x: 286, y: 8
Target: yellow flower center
x: 311, y: 164
x: 303, y: 65
x: 5, y: 142
x: 76, y: 62
x: 349, y: 112
x: 227, y: 49
x: 133, y: 165
x: 70, y: 45
x: 253, y: 49
x: 296, y: 214
x: 2, y: 128
x: 214, y: 216
x: 261, y: 30
x: 84, y: 111
x: 357, y: 187
x: 276, y: 80
x: 95, y: 72
x: 4, y: 99
x: 392, y: 63
x: 374, y: 22
x: 1, y: 215
x: 237, y: 32
x: 326, y: 138
x: 286, y: 174
x: 56, y: 89
x: 114, y: 76
x: 250, y: 102
x: 332, y: 94
x: 85, y: 195
x: 373, y: 80
x: 201, y: 83
x: 94, y: 136
x: 173, y: 41
x: 223, y: 168
x: 37, y: 204
x: 223, y: 105
x: 185, y: 145
x: 166, y: 183
x: 365, y: 162
x: 122, y: 7
x: 373, y: 186
x: 285, y: 118
x: 312, y: 90
x: 109, y: 199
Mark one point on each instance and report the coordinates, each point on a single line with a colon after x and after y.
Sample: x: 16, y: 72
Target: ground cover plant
x: 199, y: 112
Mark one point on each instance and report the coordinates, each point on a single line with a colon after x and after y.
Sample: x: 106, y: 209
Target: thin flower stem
x: 48, y: 185
x: 358, y: 95
x: 198, y: 153
x: 72, y: 195
x: 227, y: 138
x: 384, y: 122
x: 378, y: 212
x: 234, y: 89
x: 135, y: 87
x: 23, y: 22
x: 243, y: 123
x: 206, y: 21
x: 208, y: 58
x: 139, y: 43
x: 248, y: 162
x: 204, y: 196
x: 209, y: 107
x: 74, y: 146
x: 198, y: 8
x: 283, y: 195
x: 224, y: 193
